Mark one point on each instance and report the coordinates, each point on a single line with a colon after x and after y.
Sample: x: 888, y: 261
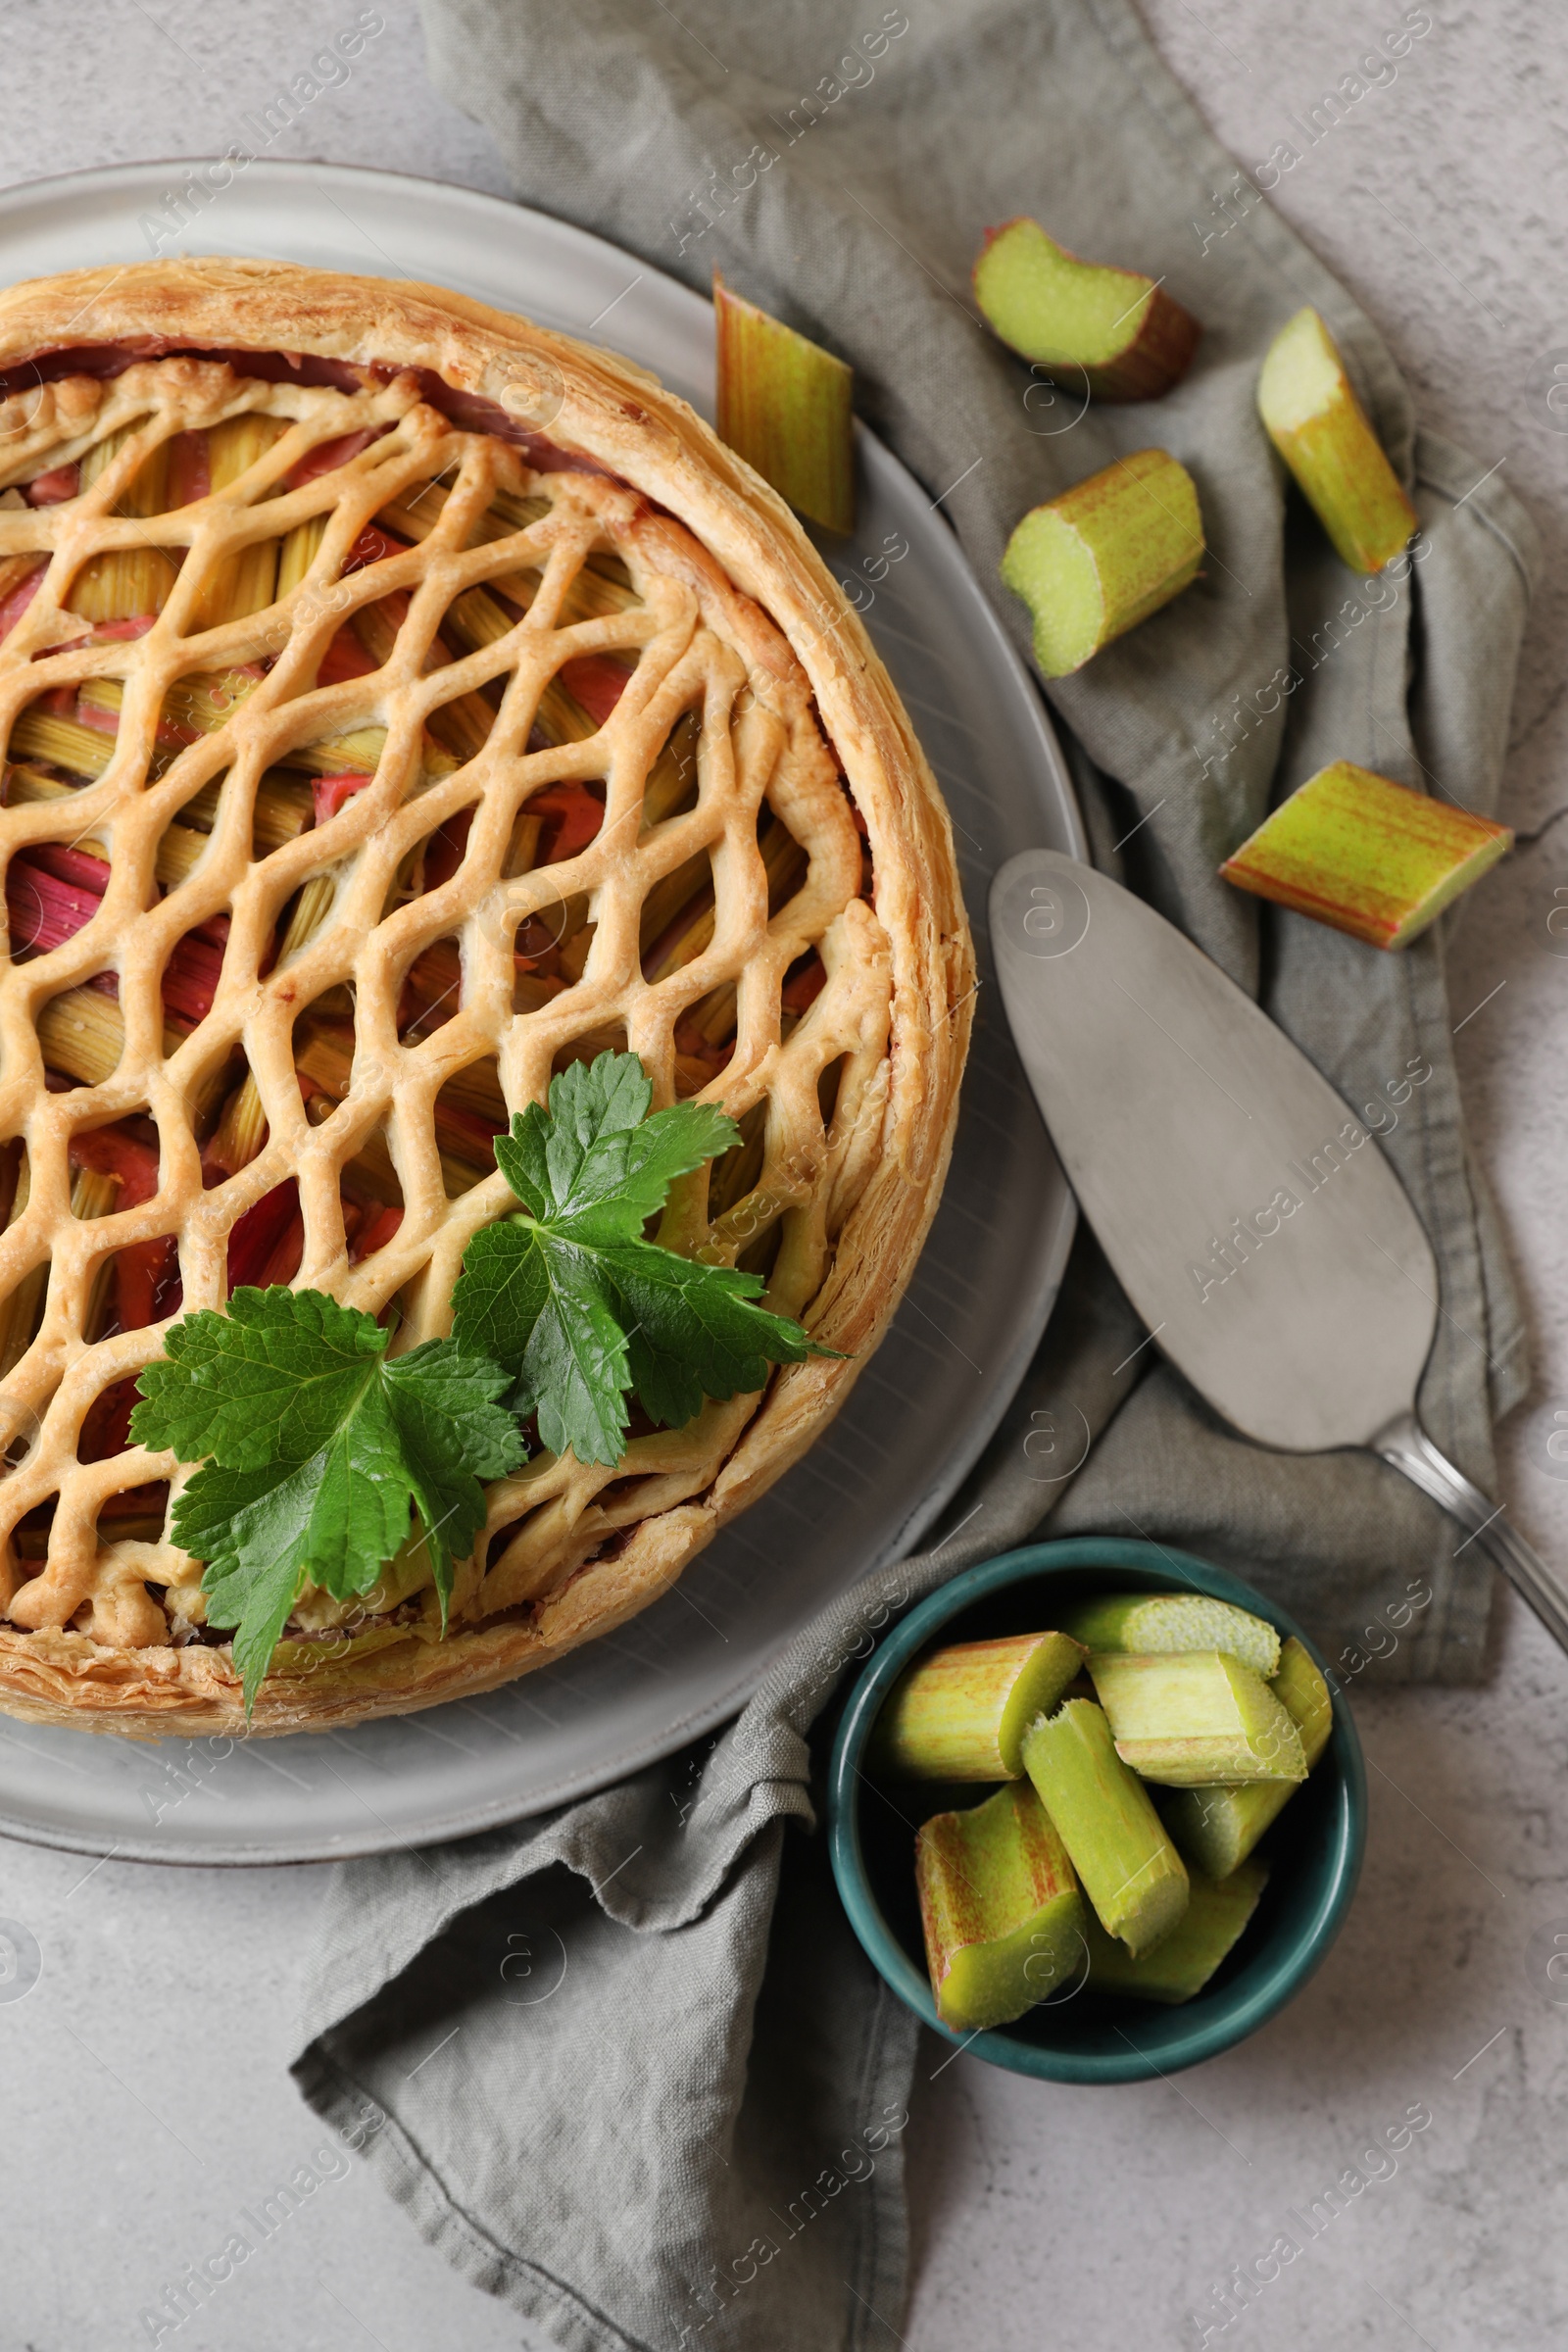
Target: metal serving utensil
x: 1251, y: 1217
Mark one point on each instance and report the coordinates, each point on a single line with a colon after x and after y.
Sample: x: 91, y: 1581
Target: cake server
x: 1247, y: 1208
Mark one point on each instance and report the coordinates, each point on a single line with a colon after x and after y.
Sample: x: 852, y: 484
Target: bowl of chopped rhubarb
x: 1095, y: 1811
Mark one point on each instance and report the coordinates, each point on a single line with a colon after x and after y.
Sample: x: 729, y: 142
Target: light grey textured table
x: 141, y: 2078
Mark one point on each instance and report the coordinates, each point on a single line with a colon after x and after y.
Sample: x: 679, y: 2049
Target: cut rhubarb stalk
x: 1114, y: 329
x: 246, y: 581
x: 20, y: 1312
x: 1002, y: 1915
x: 1366, y: 855
x: 1305, y: 1699
x: 962, y: 1714
x: 127, y: 581
x: 1321, y: 430
x: 1217, y: 1828
x: 784, y: 406
x: 1182, y: 1962
x: 1144, y: 1623
x: 1103, y: 556
x: 1129, y: 1868
x: 1187, y: 1719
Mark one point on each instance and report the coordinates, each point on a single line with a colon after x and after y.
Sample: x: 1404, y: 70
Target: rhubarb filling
x: 369, y: 758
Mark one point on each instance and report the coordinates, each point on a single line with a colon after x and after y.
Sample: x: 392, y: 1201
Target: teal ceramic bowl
x: 1314, y: 1848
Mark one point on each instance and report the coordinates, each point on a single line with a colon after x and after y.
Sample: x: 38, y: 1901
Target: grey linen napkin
x: 627, y: 2089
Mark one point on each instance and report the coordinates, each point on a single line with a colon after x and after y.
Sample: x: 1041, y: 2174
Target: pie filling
x: 368, y: 759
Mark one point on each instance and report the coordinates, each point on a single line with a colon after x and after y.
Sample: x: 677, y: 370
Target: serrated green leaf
x: 322, y: 1452
x: 594, y: 1166
x: 269, y: 1382
x: 694, y: 1329
x: 572, y: 1299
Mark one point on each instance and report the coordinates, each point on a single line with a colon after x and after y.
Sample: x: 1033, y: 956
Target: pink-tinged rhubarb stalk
x: 1320, y: 430
x: 597, y: 681
x: 1364, y: 854
x: 331, y: 792
x: 784, y: 406
x: 52, y: 892
x: 1182, y: 1962
x: 53, y: 488
x: 961, y: 1714
x: 999, y: 1905
x: 258, y: 1234
x: 1129, y: 1868
x: 18, y: 597
x: 1114, y: 333
x: 1096, y: 560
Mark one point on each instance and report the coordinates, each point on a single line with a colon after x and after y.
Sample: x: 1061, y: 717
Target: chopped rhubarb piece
x: 1308, y: 405
x: 784, y: 406
x: 53, y: 488
x: 1364, y: 854
x: 16, y: 601
x: 142, y: 1276
x: 117, y: 632
x: 374, y: 1234
x: 1105, y: 555
x: 329, y: 794
x: 571, y: 814
x: 960, y: 1712
x: 258, y: 1233
x: 191, y: 976
x: 287, y: 1252
x: 1186, y: 1718
x: 42, y: 911
x: 1113, y: 330
x: 79, y: 867
x: 112, y: 1153
x: 1130, y: 1870
x: 597, y: 681
x: 803, y: 984
x: 444, y: 851
x: 106, y: 1424
x: 1001, y: 1908
x: 327, y: 456
x: 373, y: 545
x: 1182, y: 1962
x: 430, y: 991
x: 190, y: 472
x: 1141, y: 1624
x: 345, y: 658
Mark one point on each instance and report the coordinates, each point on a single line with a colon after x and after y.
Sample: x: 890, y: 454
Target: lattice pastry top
x: 399, y: 703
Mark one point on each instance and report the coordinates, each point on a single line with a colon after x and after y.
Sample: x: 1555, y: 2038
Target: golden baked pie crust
x: 732, y: 587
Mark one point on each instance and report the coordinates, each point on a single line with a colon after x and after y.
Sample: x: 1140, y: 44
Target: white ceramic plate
x: 919, y: 1415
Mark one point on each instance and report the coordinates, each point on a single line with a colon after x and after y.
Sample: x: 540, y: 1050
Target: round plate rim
x: 105, y: 182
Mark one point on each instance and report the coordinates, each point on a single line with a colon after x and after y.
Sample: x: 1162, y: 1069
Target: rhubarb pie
x: 399, y: 704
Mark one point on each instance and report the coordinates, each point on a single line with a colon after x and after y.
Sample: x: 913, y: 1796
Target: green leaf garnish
x: 322, y: 1459
x: 317, y: 1451
x: 572, y: 1299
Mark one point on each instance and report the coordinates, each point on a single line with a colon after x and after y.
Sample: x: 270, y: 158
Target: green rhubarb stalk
x: 1104, y: 556
x: 1129, y: 1869
x: 1193, y: 1717
x: 1217, y: 1828
x: 1143, y: 1623
x: 1115, y: 330
x: 1003, y: 1915
x: 1364, y: 854
x: 962, y: 1713
x: 783, y: 404
x: 1182, y: 1962
x: 1320, y: 430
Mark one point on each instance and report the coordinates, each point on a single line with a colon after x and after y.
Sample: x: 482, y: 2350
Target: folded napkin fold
x: 628, y: 2088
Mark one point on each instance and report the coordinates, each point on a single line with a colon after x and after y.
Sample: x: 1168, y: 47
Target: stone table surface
x: 144, y: 2091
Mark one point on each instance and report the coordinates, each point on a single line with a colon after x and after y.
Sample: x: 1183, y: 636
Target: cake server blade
x: 1249, y: 1213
